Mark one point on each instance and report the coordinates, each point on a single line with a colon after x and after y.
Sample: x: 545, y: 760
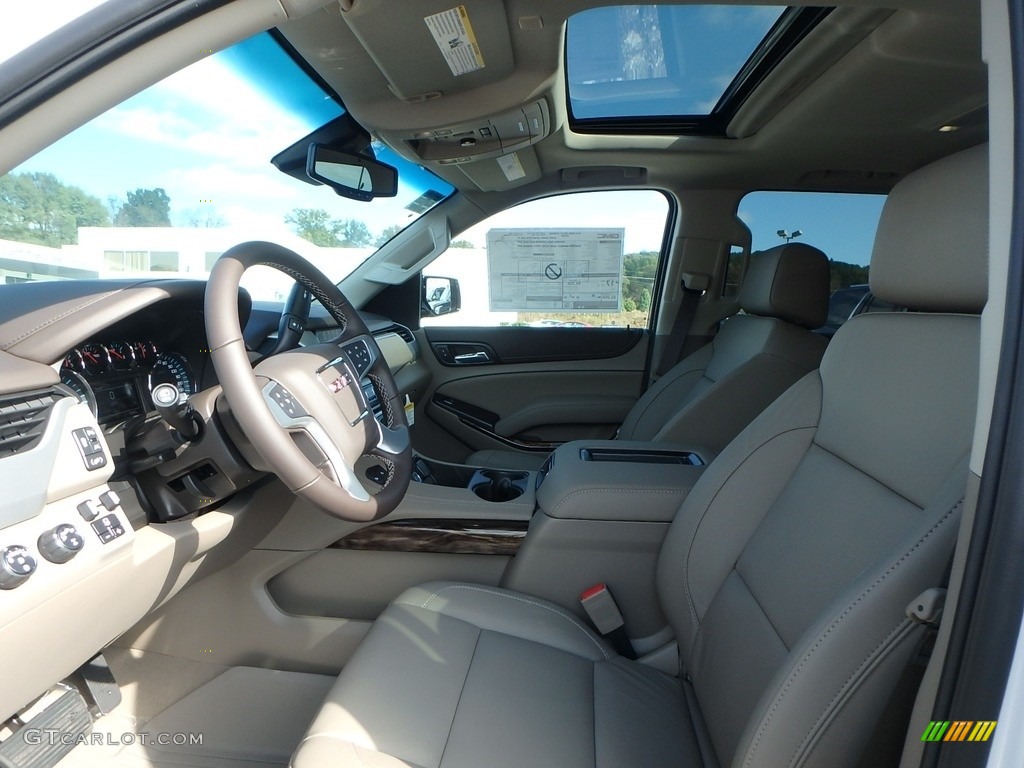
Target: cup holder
x: 498, y: 485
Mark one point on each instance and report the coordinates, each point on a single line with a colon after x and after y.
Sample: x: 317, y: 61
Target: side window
x: 842, y: 225
x: 578, y: 260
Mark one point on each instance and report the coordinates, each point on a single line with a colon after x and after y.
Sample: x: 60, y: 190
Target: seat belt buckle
x: 601, y: 609
x: 604, y: 614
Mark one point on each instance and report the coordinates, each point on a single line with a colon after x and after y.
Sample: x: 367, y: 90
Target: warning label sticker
x: 555, y: 269
x: 511, y: 167
x: 454, y: 37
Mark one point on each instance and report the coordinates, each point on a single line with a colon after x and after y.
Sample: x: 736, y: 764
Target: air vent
x: 400, y: 330
x: 23, y: 420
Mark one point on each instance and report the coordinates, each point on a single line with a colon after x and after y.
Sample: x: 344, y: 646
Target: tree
x: 644, y: 302
x: 462, y: 244
x: 145, y: 208
x: 353, y: 233
x: 387, y: 234
x: 843, y: 274
x: 203, y: 216
x: 638, y: 275
x: 39, y: 208
x: 315, y: 225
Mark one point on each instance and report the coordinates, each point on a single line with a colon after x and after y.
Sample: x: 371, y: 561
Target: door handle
x: 473, y: 358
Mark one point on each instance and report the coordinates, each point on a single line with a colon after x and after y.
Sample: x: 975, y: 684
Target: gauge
x: 146, y: 353
x: 74, y: 361
x: 122, y: 355
x: 173, y: 368
x: 80, y: 387
x: 96, y: 359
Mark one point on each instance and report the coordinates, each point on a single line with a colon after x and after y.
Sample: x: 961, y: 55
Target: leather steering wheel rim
x: 319, y: 387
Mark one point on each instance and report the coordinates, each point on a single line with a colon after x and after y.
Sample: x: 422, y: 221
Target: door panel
x: 544, y: 386
x: 515, y: 345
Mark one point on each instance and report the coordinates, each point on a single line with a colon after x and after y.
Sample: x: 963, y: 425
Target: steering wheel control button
x: 16, y: 565
x: 165, y: 395
x: 60, y: 544
x: 89, y: 445
x: 291, y: 407
x: 359, y: 354
x: 110, y: 500
x: 108, y: 528
x: 87, y: 510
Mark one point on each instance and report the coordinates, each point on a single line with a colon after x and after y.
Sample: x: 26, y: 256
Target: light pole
x: 787, y: 236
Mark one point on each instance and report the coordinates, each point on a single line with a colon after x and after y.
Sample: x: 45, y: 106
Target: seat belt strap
x: 680, y: 329
x: 604, y: 614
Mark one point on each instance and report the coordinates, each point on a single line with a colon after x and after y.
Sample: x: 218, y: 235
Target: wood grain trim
x: 452, y: 537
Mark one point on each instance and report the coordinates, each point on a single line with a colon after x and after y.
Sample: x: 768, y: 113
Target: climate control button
x: 16, y: 565
x: 61, y: 544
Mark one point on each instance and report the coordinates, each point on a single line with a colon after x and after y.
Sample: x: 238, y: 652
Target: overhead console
x: 488, y: 137
x: 462, y: 55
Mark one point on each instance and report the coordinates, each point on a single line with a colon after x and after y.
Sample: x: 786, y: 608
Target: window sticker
x: 555, y: 269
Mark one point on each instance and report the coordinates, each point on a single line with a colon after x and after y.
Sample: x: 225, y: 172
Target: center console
x: 603, y: 509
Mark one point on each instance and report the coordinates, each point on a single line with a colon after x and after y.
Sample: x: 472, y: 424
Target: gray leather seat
x: 785, y: 575
x: 707, y: 398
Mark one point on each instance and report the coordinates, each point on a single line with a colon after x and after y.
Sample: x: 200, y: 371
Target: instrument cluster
x: 115, y: 378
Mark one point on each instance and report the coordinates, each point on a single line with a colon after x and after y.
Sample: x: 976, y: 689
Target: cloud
x: 200, y: 110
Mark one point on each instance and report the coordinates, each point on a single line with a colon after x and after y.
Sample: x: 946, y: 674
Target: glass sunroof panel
x: 659, y: 60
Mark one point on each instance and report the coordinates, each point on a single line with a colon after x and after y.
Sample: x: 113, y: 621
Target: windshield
x: 168, y: 180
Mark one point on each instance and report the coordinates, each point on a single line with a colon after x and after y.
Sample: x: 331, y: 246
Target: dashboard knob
x: 60, y: 544
x: 16, y: 565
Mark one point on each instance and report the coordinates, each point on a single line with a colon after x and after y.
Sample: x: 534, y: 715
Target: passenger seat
x: 710, y: 396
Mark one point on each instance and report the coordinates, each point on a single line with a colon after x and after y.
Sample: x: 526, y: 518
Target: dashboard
x: 102, y: 494
x: 115, y: 378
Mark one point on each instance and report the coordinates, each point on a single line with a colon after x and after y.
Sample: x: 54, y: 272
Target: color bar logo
x: 958, y: 730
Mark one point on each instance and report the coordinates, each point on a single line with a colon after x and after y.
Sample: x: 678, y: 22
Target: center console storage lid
x: 620, y: 480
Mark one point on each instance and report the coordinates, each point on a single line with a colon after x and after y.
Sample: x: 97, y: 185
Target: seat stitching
x: 51, y: 320
x: 761, y: 608
x: 564, y: 614
x: 791, y: 678
x: 711, y: 501
x: 904, y: 623
x: 867, y: 474
x: 458, y: 701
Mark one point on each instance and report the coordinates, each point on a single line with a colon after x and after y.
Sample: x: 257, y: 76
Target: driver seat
x: 785, y: 575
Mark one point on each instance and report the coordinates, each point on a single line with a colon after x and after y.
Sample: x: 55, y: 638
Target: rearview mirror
x: 441, y: 296
x: 354, y: 176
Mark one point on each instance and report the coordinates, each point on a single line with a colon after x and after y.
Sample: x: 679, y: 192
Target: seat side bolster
x: 814, y: 693
x: 762, y: 456
x: 523, y: 616
x: 721, y: 412
x: 666, y: 396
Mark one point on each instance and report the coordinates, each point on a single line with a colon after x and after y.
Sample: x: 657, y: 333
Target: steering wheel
x: 305, y: 410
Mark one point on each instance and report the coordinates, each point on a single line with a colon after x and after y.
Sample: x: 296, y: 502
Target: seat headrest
x: 789, y: 282
x: 931, y: 249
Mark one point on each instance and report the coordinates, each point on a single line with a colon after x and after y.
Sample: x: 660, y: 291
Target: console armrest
x: 620, y: 480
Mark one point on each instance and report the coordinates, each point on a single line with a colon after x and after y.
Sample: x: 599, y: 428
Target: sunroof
x: 655, y: 61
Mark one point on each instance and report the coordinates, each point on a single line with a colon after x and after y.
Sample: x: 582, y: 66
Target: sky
x: 206, y: 136
x: 841, y: 225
